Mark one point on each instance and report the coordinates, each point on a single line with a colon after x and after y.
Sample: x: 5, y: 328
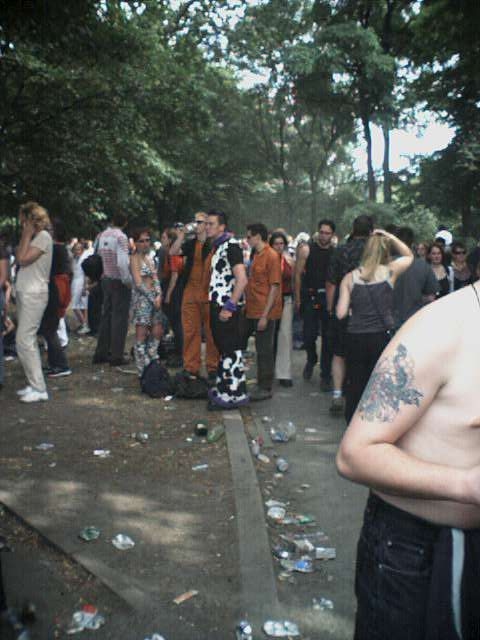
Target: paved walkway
x: 203, y: 530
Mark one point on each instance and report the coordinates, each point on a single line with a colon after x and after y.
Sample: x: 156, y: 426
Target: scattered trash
x: 101, y: 453
x: 15, y: 622
x: 284, y: 432
x: 216, y: 433
x: 305, y: 486
x: 140, y: 436
x: 243, y: 630
x: 170, y: 407
x: 156, y: 636
x: 311, y: 430
x: 89, y: 533
x: 168, y: 398
x: 116, y: 389
x: 277, y: 513
x: 304, y: 565
x: 282, y: 465
x: 325, y: 553
x: 188, y: 439
x: 321, y: 604
x: 87, y: 618
x: 44, y: 446
x: 200, y: 467
x: 280, y: 552
x: 22, y: 420
x: 185, y: 596
x: 255, y: 448
x: 275, y: 503
x: 263, y: 458
x: 52, y: 465
x: 281, y: 629
x: 303, y: 545
x: 267, y: 419
x: 123, y: 542
x: 201, y: 430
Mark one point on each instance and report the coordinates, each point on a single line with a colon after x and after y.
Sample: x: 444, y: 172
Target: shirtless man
x: 415, y: 441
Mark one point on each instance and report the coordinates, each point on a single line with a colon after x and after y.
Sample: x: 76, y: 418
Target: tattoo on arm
x: 390, y: 385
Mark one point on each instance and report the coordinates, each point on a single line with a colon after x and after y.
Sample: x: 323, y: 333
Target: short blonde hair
x: 37, y: 214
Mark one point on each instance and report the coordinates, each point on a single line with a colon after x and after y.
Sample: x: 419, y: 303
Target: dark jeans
x: 315, y: 323
x: 56, y: 354
x: 113, y: 328
x: 2, y: 362
x: 264, y: 343
x: 94, y: 311
x: 404, y: 579
x: 228, y: 336
x: 362, y: 353
x: 173, y: 311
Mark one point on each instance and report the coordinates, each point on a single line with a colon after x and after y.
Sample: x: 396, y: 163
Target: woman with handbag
x: 366, y: 297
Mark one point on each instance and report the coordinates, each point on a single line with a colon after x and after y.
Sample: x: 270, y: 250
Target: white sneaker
x: 34, y: 396
x: 83, y: 330
x: 24, y: 391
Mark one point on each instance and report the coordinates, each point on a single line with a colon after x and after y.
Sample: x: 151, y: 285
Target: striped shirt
x: 113, y: 249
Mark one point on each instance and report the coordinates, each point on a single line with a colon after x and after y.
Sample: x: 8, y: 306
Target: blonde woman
x: 34, y: 259
x: 366, y: 297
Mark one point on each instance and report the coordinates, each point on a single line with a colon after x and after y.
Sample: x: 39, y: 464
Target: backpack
x: 190, y: 387
x: 156, y: 381
x: 93, y: 267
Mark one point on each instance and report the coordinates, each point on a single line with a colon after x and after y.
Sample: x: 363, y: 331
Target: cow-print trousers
x: 231, y: 384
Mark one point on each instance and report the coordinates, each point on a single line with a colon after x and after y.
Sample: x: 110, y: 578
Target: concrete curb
x: 259, y: 599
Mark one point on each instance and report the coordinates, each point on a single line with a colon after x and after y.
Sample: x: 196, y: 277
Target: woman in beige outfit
x: 34, y: 259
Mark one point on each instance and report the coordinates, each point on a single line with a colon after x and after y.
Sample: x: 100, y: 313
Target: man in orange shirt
x: 195, y: 306
x: 264, y: 306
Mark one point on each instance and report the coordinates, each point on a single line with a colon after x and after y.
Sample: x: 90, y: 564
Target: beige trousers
x: 283, y: 361
x: 30, y: 308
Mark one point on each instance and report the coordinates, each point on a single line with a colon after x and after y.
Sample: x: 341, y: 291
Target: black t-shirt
x: 60, y: 260
x: 316, y: 266
x: 234, y: 254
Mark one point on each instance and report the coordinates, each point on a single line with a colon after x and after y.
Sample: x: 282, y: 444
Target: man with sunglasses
x: 195, y: 306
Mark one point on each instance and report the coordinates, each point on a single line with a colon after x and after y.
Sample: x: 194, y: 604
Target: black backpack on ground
x: 156, y: 381
x: 190, y: 387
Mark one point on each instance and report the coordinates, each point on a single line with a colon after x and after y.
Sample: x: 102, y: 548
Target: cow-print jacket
x: 222, y: 280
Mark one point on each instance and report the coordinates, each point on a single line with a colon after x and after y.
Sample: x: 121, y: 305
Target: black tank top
x: 316, y: 267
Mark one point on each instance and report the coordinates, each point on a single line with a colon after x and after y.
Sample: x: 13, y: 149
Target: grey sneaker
x: 337, y: 408
x: 257, y: 394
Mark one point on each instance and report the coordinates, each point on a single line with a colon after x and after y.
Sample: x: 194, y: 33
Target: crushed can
x: 282, y: 465
x: 201, y: 430
x: 89, y: 533
x: 243, y: 630
x: 281, y: 629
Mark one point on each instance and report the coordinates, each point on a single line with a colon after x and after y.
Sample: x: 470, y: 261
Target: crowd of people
x: 413, y: 435
x: 202, y: 285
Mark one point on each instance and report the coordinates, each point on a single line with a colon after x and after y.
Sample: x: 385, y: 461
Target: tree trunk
x: 372, y: 187
x: 387, y: 177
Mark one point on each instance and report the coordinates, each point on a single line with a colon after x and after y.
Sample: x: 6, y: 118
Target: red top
x: 287, y: 275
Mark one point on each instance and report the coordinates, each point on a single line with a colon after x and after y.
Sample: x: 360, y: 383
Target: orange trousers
x: 196, y: 315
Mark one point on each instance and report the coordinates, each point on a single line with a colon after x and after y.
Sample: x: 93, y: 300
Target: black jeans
x: 113, y: 328
x: 264, y: 346
x: 404, y: 578
x: 94, y: 312
x: 362, y: 353
x: 315, y: 323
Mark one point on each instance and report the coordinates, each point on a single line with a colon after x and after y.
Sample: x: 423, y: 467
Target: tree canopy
x: 141, y: 106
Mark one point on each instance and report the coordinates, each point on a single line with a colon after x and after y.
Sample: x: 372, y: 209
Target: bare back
x: 426, y: 425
